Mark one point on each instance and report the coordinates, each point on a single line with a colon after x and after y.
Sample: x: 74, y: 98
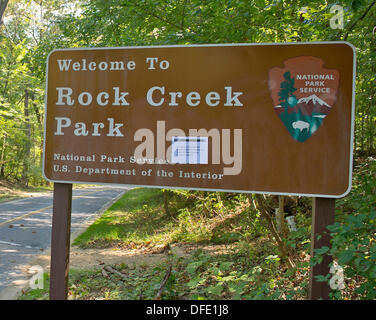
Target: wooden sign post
x: 60, y: 241
x: 253, y: 118
x: 322, y: 216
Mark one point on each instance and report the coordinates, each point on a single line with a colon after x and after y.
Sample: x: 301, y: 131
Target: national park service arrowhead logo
x: 303, y: 94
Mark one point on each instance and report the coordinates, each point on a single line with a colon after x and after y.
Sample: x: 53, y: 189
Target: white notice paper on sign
x: 189, y: 150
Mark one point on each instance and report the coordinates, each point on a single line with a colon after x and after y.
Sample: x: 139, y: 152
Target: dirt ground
x: 136, y: 256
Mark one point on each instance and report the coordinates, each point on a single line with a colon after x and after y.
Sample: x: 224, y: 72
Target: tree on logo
x: 286, y: 94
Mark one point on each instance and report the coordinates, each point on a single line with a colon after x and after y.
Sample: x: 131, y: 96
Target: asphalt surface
x: 25, y: 229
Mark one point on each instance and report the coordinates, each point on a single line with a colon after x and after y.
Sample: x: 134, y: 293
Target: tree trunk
x: 166, y: 198
x: 280, y: 215
x: 25, y: 173
x: 260, y: 205
x: 3, y: 5
x: 2, y: 166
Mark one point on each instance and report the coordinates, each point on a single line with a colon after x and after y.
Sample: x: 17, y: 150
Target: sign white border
x: 214, y: 45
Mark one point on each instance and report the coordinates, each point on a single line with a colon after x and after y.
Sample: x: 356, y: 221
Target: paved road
x: 25, y: 228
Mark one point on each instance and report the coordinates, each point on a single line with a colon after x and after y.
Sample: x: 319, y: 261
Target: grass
x: 140, y: 217
x: 8, y: 197
x: 38, y: 294
x: 137, y: 217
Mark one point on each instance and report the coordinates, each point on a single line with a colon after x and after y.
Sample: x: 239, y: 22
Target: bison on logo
x: 303, y: 94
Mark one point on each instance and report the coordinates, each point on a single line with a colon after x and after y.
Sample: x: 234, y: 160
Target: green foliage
x: 300, y: 239
x: 21, y: 95
x: 353, y: 242
x: 233, y: 277
x: 354, y: 236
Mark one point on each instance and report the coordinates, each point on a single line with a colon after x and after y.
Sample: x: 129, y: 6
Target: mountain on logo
x: 308, y: 106
x: 315, y: 100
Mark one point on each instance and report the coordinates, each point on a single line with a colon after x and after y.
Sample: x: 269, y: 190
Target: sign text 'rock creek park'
x: 271, y: 118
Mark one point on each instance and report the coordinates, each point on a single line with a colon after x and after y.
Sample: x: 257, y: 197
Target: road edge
x: 14, y: 291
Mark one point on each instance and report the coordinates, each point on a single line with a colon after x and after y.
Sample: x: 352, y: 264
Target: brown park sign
x: 268, y: 118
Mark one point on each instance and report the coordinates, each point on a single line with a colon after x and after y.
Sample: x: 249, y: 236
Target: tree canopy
x: 31, y: 29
